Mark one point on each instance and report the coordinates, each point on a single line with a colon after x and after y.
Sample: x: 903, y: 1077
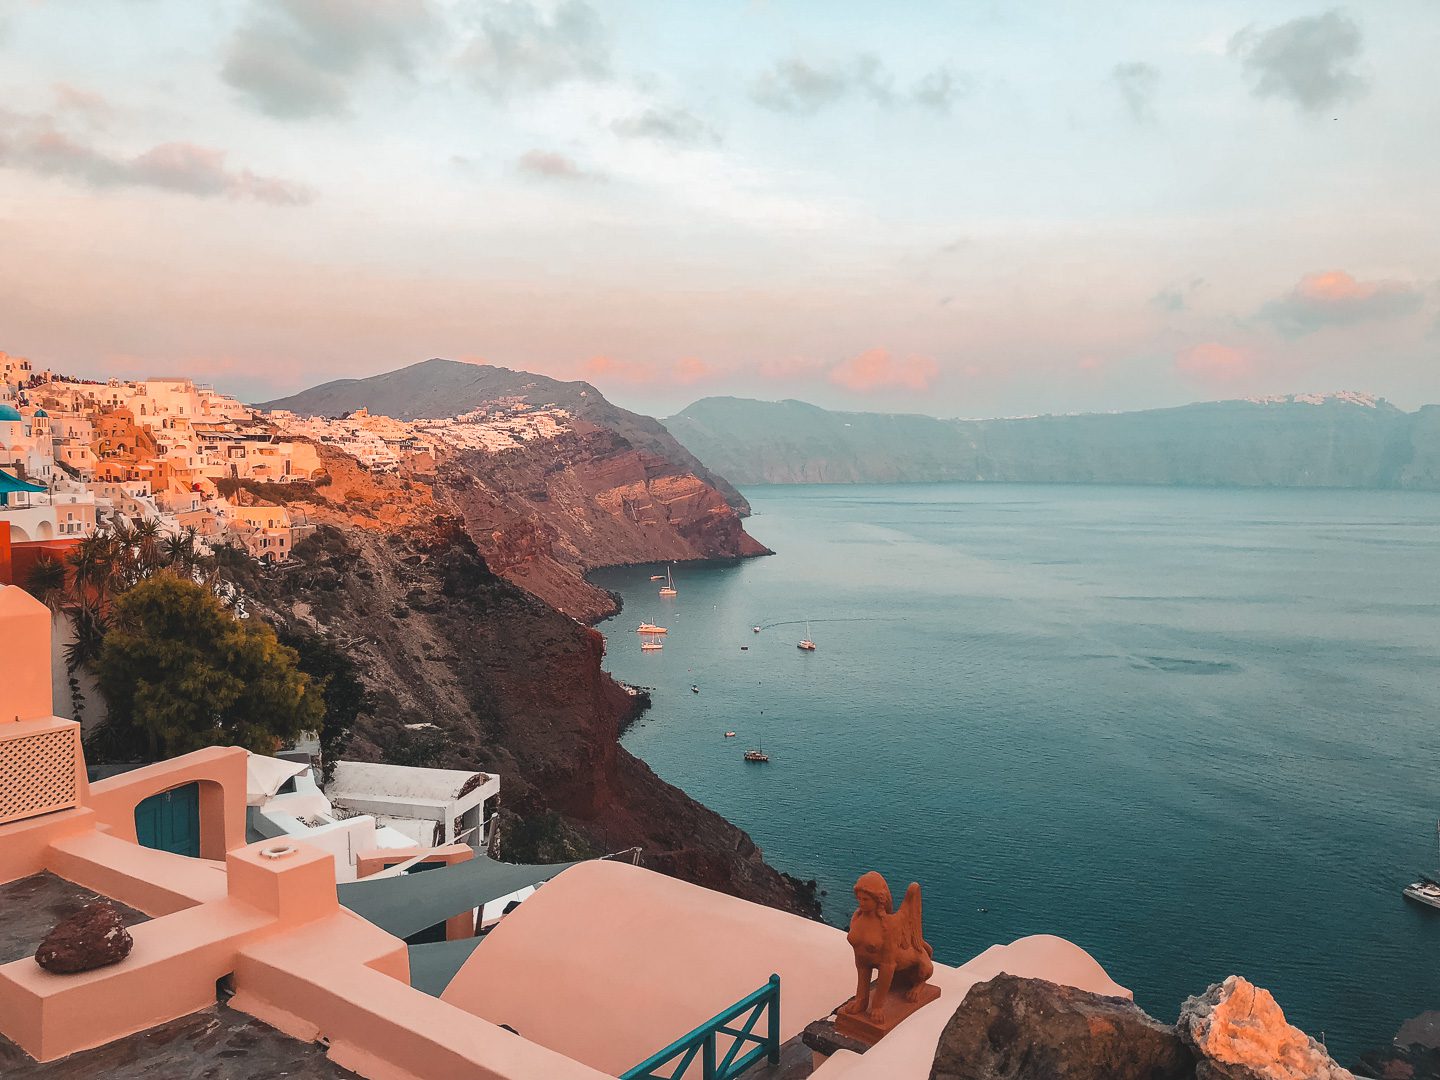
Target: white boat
x: 650, y: 628
x: 668, y: 589
x: 805, y: 642
x: 756, y: 629
x: 1427, y: 890
x: 651, y: 646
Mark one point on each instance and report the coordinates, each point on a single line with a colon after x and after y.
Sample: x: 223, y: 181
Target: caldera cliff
x: 463, y: 669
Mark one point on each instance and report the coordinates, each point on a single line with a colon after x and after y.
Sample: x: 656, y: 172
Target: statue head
x: 871, y: 892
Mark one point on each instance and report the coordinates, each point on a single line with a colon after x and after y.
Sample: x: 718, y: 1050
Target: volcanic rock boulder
x: 93, y: 937
x: 1028, y: 1029
x: 1238, y: 1032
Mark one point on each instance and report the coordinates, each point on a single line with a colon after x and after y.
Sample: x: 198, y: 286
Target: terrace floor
x: 30, y: 906
x: 214, y: 1044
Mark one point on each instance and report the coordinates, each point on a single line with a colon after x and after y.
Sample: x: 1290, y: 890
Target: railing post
x: 708, y: 1056
x: 774, y: 1009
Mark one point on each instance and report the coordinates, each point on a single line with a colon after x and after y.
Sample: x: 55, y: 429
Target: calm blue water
x: 1197, y: 732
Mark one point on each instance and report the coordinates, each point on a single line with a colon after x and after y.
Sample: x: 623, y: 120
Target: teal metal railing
x: 702, y: 1042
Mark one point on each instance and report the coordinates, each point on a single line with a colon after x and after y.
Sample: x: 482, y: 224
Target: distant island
x: 1345, y: 440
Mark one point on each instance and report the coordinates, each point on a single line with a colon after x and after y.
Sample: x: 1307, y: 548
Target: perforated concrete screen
x: 37, y: 772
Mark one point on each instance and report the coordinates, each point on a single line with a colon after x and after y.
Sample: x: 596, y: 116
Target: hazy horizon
x: 988, y: 210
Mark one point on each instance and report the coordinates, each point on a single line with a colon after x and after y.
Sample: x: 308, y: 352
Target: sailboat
x: 805, y: 642
x: 758, y: 755
x: 651, y: 643
x: 1427, y: 890
x: 668, y: 589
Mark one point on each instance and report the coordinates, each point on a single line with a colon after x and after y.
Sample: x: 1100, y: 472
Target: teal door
x: 170, y: 821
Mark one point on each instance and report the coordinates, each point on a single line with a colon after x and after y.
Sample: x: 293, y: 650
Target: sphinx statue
x: 890, y: 945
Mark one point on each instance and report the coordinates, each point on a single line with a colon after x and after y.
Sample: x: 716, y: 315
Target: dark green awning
x: 435, y: 963
x: 407, y: 904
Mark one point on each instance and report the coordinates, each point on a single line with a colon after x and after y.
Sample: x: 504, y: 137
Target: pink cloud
x: 1335, y: 298
x: 691, y: 369
x: 877, y: 369
x: 1211, y: 362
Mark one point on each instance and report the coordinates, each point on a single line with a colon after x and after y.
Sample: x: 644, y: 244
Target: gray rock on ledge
x: 1027, y: 1029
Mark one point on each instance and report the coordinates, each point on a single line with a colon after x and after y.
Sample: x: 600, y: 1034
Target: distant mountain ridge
x: 1340, y: 440
x: 437, y: 388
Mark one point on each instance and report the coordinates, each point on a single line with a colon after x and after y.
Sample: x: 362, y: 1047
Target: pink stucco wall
x: 608, y: 963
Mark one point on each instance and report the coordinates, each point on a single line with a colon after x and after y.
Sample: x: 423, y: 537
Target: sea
x: 1194, y: 731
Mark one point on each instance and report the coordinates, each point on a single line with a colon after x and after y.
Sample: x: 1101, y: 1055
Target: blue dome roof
x: 8, y: 412
x: 42, y: 412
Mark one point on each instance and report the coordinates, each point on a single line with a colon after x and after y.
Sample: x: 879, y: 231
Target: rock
x: 1239, y: 1033
x: 1028, y: 1029
x: 93, y: 937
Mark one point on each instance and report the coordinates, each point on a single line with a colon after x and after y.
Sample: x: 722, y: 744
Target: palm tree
x: 146, y: 537
x: 178, y: 551
x: 90, y: 625
x: 47, y: 582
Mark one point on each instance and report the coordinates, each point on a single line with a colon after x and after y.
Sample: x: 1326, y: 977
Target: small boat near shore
x: 1427, y: 890
x: 657, y: 577
x: 650, y: 628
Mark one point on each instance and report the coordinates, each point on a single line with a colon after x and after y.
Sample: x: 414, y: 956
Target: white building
x: 433, y: 806
x: 369, y: 807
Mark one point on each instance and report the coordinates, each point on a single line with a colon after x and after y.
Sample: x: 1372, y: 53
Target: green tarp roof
x: 407, y: 904
x: 435, y: 963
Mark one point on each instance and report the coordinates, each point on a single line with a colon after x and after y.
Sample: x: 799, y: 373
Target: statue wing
x: 908, y: 920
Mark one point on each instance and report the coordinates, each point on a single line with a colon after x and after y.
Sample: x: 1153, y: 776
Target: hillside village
x: 78, y: 455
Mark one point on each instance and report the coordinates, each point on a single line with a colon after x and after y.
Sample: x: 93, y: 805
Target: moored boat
x: 1427, y: 890
x: 756, y: 755
x: 668, y: 589
x: 650, y: 628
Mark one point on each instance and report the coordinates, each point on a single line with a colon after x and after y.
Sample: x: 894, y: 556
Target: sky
x: 965, y: 209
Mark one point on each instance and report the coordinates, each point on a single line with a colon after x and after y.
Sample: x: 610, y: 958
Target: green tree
x: 344, y: 694
x: 180, y: 672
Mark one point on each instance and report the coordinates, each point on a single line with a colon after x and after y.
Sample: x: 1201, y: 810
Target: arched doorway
x: 170, y: 821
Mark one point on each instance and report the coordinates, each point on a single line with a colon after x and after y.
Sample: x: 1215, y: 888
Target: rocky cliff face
x: 1338, y: 441
x: 440, y: 388
x: 544, y: 514
x: 465, y: 670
